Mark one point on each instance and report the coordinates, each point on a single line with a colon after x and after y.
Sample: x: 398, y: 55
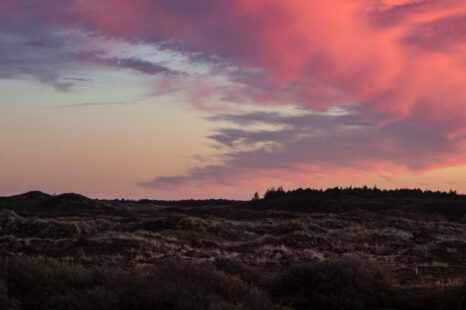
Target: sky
x: 169, y: 99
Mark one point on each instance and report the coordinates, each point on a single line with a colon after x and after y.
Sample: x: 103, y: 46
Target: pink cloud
x: 336, y: 43
x: 402, y: 60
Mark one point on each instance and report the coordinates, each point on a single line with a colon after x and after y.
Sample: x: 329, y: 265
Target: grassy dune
x: 304, y: 249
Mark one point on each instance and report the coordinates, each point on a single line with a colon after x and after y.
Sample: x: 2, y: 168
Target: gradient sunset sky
x: 171, y: 99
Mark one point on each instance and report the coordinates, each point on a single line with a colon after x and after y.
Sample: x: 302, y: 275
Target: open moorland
x: 354, y: 248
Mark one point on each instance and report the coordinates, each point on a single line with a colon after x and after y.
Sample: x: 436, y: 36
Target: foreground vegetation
x: 306, y: 249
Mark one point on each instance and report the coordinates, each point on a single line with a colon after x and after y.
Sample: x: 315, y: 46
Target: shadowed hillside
x: 40, y: 204
x: 354, y: 248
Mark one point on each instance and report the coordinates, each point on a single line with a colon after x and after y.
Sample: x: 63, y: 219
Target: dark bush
x: 453, y: 210
x: 335, y: 284
x: 452, y: 299
x: 460, y: 299
x: 49, y: 284
x: 446, y: 298
x: 246, y: 273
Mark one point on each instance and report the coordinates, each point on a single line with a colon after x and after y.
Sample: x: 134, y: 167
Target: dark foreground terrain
x: 305, y: 249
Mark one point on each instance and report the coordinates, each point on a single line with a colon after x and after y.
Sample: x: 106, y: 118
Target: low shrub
x: 246, y: 273
x: 5, y: 302
x: 334, y: 284
x: 39, y: 283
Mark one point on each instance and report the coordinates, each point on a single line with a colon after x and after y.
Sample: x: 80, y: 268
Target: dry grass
x: 249, y: 249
